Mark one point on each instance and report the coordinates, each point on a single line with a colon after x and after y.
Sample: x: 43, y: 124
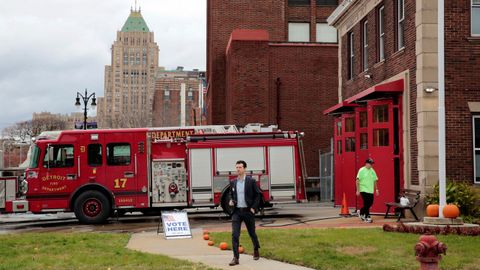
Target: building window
x: 400, y: 23
x: 326, y: 33
x: 363, y: 141
x: 190, y: 94
x: 363, y: 119
x: 380, y: 137
x: 381, y: 34
x: 298, y: 2
x: 380, y: 114
x: 166, y: 93
x: 350, y: 124
x: 350, y: 144
x: 365, y: 45
x: 476, y: 148
x: 298, y: 32
x: 351, y: 55
x: 475, y: 18
x: 327, y: 2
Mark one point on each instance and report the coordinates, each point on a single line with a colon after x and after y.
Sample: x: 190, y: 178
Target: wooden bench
x: 413, y: 198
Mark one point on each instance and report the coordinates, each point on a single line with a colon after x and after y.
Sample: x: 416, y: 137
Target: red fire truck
x: 96, y: 173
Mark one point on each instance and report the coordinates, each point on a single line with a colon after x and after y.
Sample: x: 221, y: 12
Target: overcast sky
x: 50, y: 49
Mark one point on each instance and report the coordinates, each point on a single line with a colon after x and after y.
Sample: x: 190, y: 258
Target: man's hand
x: 358, y: 193
x: 252, y: 210
x: 378, y: 193
x: 231, y: 203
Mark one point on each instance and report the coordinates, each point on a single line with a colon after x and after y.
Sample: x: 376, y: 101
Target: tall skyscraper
x: 130, y: 79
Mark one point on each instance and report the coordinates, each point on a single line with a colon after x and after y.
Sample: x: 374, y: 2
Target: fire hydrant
x: 428, y: 251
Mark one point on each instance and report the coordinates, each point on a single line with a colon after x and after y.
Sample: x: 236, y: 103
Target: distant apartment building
x: 130, y: 79
x: 178, y: 98
x: 55, y: 121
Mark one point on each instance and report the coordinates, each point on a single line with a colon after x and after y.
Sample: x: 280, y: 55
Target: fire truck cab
x: 97, y: 172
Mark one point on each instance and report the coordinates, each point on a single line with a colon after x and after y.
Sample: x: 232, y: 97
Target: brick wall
x: 222, y: 18
x: 248, y: 73
x: 308, y: 86
x: 306, y: 73
x: 247, y: 82
x: 462, y: 85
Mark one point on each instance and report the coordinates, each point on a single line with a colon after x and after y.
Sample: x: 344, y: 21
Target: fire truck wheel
x: 92, y: 207
x: 227, y: 209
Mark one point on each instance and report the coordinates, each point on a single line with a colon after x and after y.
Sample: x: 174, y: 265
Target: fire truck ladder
x: 198, y: 138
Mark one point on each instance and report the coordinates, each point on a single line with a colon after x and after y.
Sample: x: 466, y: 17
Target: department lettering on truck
x: 96, y: 173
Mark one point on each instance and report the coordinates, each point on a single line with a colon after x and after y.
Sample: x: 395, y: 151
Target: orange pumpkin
x: 210, y: 243
x: 241, y: 249
x: 206, y: 237
x: 432, y: 210
x: 451, y: 211
x: 223, y: 246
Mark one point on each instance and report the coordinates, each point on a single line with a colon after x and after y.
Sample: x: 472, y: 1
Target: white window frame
x: 472, y: 6
x: 294, y: 36
x: 365, y: 45
x: 351, y: 54
x: 474, y: 150
x: 400, y: 24
x: 381, y: 33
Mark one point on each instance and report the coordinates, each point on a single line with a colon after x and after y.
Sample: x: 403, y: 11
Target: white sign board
x: 176, y: 225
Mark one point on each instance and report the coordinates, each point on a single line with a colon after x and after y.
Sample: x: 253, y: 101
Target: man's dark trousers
x: 245, y: 215
x: 367, y: 203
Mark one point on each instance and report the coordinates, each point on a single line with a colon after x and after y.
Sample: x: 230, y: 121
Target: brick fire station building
x: 273, y: 62
x: 387, y: 103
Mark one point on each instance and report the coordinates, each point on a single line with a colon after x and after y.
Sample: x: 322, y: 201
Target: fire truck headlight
x: 23, y: 187
x: 32, y: 174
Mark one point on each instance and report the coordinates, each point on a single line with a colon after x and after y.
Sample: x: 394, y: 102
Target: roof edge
x: 339, y: 12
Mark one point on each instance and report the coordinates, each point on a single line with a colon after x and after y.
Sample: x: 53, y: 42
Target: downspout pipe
x: 278, y: 83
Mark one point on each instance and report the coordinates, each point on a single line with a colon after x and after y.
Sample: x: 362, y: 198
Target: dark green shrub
x: 461, y: 194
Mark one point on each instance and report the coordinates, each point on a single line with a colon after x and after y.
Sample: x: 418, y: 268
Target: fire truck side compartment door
x: 282, y: 172
x: 227, y: 157
x: 201, y: 175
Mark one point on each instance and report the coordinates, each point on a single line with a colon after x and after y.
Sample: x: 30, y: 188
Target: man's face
x: 368, y: 165
x: 240, y: 168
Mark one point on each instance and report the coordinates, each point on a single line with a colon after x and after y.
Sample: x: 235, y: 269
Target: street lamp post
x: 85, y: 98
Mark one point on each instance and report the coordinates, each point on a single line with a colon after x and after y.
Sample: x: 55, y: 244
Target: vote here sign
x: 175, y: 224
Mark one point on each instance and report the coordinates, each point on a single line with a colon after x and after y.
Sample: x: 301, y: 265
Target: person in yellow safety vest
x: 366, y: 186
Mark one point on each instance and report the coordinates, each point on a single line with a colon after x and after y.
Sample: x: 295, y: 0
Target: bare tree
x: 25, y: 130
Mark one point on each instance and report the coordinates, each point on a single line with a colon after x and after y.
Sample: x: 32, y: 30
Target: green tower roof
x: 135, y: 23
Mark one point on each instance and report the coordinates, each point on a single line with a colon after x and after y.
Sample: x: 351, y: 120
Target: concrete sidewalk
x: 195, y: 249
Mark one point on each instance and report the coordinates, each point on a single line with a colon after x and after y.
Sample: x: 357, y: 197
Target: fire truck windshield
x: 34, y: 156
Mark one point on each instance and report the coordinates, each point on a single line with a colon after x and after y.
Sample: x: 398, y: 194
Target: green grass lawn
x: 354, y: 248
x: 90, y: 251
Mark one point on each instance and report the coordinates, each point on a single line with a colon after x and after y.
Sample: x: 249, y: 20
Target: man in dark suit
x: 245, y: 197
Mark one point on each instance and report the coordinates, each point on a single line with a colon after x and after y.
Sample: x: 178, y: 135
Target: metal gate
x: 326, y: 177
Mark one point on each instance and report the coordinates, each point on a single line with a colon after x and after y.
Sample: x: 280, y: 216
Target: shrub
x: 461, y: 194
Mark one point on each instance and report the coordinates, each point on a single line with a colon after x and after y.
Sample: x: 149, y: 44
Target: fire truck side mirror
x: 50, y: 155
